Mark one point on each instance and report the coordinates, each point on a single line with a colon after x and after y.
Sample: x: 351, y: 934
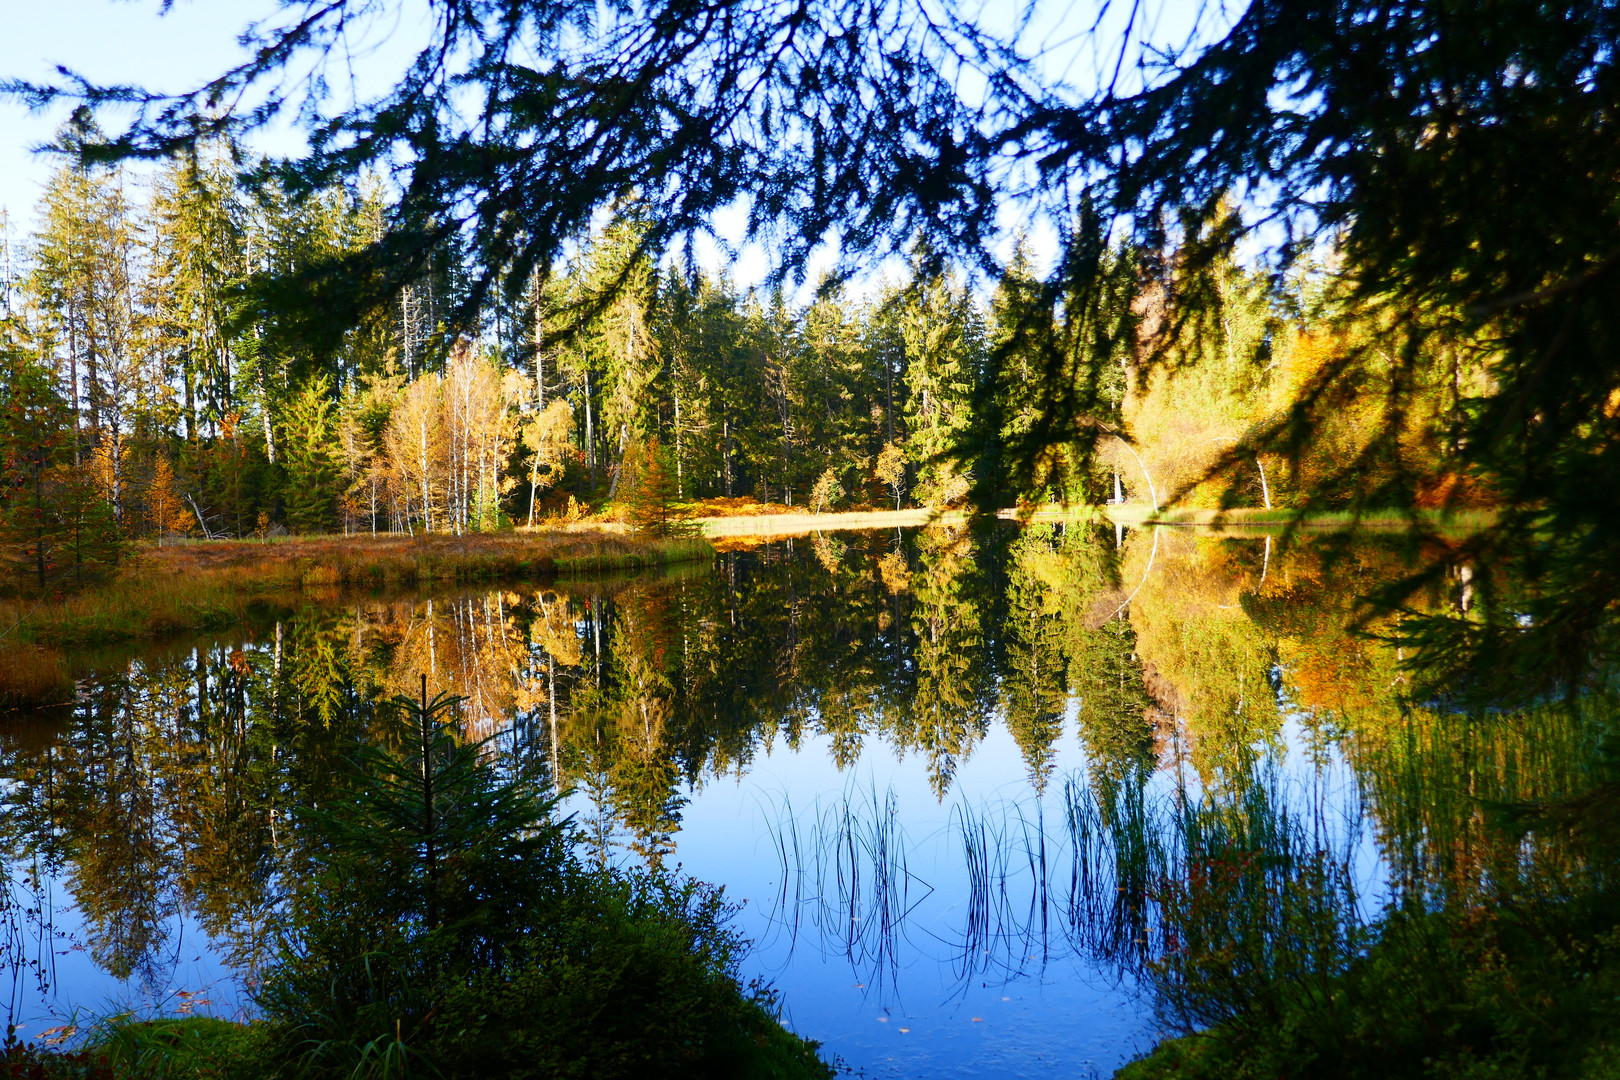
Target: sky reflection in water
x: 877, y: 748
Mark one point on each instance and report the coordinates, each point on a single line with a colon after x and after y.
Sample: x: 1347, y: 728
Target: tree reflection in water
x: 174, y: 783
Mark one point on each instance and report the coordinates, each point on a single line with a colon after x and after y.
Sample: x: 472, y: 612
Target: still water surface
x: 938, y: 772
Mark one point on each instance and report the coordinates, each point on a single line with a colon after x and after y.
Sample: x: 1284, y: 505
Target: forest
x: 153, y: 393
x: 1343, y: 808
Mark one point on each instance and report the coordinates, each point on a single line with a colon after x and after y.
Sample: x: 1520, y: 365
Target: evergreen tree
x: 314, y: 476
x: 197, y: 236
x: 34, y: 443
x: 445, y: 924
x: 943, y: 353
x: 653, y: 493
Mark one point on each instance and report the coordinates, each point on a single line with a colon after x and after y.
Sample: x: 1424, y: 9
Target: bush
x: 633, y: 979
x: 447, y: 927
x: 1475, y: 992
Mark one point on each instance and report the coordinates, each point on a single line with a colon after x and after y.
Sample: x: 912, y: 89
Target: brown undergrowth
x: 204, y: 585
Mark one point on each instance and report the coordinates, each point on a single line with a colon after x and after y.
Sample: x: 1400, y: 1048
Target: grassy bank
x: 207, y: 585
x: 1142, y: 514
x: 207, y: 1048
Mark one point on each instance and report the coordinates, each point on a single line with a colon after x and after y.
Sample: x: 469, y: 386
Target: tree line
x: 153, y: 388
x: 149, y: 382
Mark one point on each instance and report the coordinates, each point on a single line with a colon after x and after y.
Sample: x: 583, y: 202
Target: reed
x: 1215, y: 903
x: 850, y: 878
x: 621, y: 555
x: 205, y: 585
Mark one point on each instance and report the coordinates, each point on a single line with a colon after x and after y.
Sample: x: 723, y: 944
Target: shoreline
x: 208, y: 585
x: 1129, y: 514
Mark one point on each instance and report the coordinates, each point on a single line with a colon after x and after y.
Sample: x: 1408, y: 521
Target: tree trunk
x: 725, y: 428
x: 590, y: 429
x: 264, y: 414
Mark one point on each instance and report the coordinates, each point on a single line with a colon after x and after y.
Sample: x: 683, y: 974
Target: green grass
x: 643, y: 555
x: 207, y: 1048
x: 123, y: 1048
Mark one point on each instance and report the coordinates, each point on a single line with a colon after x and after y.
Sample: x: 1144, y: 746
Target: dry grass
x: 32, y: 676
x: 740, y: 506
x: 1140, y: 513
x: 211, y: 584
x: 799, y: 523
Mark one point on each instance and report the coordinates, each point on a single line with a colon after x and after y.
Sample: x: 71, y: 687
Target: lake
x: 959, y: 785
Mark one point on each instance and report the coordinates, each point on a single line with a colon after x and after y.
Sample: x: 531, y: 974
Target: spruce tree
x: 313, y: 473
x: 653, y: 494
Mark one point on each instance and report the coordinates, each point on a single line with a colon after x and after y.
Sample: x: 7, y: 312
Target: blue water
x: 912, y: 932
x: 929, y: 998
x: 925, y: 1002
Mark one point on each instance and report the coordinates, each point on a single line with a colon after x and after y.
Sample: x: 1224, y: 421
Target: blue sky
x: 118, y: 41
x: 129, y: 41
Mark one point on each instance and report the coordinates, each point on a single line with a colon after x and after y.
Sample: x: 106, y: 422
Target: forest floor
x: 193, y: 585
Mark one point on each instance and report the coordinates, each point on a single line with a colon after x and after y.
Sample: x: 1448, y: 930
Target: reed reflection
x: 1188, y: 667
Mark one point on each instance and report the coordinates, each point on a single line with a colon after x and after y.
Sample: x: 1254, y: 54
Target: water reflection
x: 1118, y: 876
x: 1237, y: 743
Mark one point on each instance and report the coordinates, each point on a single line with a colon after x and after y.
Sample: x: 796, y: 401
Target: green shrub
x: 633, y: 979
x: 1530, y: 991
x: 122, y: 1048
x: 446, y: 927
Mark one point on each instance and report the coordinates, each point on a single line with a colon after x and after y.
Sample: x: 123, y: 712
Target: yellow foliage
x: 167, y: 510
